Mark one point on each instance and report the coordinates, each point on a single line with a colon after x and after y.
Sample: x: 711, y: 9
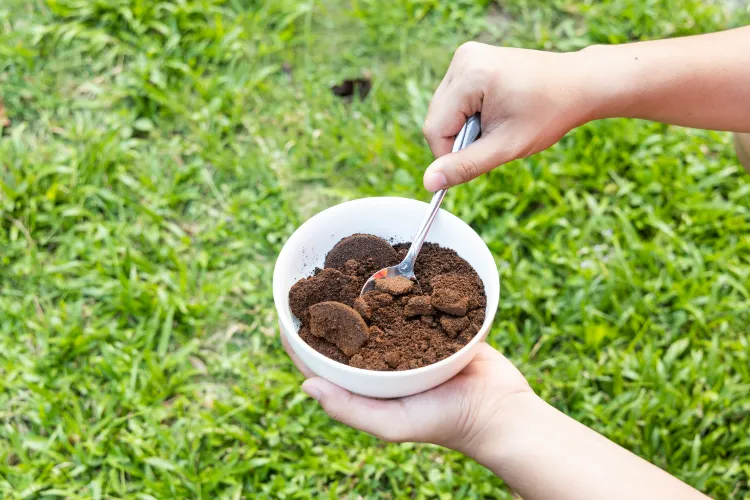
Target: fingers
x: 295, y: 359
x: 456, y: 168
x: 434, y: 129
x: 448, y: 111
x: 385, y: 419
x: 458, y: 96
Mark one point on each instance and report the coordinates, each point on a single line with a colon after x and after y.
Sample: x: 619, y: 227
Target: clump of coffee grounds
x: 397, y: 326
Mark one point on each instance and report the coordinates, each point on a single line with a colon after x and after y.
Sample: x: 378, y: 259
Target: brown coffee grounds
x: 434, y: 260
x: 465, y: 285
x: 449, y: 301
x: 469, y: 332
x: 406, y: 329
x: 339, y: 324
x: 394, y: 286
x: 477, y: 315
x: 386, y: 312
x: 360, y: 305
x: 419, y: 306
x: 428, y: 320
x: 393, y: 358
x: 322, y: 346
x: 452, y: 325
x: 327, y: 285
x: 365, y: 250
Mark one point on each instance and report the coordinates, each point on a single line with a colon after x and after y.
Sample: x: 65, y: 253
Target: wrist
x: 580, y: 87
x: 500, y: 422
x: 605, y: 76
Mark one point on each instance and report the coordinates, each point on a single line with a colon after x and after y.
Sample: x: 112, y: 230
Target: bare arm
x: 699, y: 81
x: 489, y: 413
x: 544, y: 454
x: 530, y: 99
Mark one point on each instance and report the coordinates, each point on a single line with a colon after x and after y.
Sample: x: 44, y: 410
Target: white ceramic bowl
x: 395, y: 219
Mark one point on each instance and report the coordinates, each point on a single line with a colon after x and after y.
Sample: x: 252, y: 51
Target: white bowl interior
x: 396, y: 220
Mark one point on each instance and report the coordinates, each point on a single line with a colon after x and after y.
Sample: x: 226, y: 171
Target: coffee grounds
x: 361, y: 306
x: 434, y: 260
x: 418, y: 306
x: 449, y: 301
x: 464, y: 285
x: 326, y: 285
x: 394, y: 286
x: 364, y: 250
x: 339, y: 324
x: 405, y: 331
x: 452, y: 325
x: 322, y: 346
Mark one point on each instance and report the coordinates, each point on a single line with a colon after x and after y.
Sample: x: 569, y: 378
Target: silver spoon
x: 466, y: 136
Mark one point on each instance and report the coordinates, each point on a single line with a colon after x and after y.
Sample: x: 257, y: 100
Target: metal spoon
x: 466, y: 136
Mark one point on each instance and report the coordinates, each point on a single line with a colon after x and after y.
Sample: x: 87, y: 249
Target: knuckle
x: 467, y: 47
x: 482, y: 74
x: 467, y: 169
x: 428, y: 129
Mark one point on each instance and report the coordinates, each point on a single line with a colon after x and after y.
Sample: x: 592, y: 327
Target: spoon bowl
x: 388, y: 272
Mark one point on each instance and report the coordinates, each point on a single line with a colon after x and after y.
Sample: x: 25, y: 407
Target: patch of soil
x: 347, y: 89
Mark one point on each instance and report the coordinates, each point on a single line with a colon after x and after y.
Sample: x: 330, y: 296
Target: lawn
x: 155, y: 156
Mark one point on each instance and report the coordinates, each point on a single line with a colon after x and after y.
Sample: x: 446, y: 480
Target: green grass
x: 159, y: 153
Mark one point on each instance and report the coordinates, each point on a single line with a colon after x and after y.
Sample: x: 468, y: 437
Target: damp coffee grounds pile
x: 401, y: 324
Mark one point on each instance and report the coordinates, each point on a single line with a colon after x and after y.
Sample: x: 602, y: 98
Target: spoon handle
x: 468, y: 134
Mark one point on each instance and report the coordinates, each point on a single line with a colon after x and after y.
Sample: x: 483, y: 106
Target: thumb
x: 385, y: 419
x: 464, y: 165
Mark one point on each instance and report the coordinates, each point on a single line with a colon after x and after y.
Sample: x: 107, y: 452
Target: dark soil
x: 397, y: 326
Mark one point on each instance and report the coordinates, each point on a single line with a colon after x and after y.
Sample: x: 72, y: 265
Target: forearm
x: 545, y: 455
x: 699, y: 81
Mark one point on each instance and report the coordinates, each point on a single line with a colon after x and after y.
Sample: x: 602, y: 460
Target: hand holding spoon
x: 405, y: 268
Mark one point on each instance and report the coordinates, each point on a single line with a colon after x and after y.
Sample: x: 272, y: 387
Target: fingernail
x: 434, y: 180
x: 311, y: 389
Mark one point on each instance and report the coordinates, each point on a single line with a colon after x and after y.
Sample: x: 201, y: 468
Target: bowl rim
x: 285, y: 317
